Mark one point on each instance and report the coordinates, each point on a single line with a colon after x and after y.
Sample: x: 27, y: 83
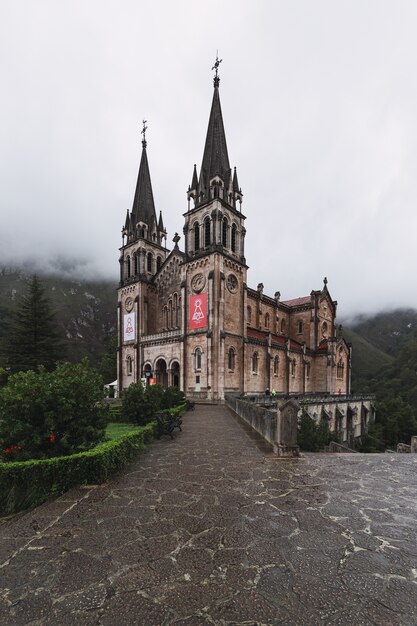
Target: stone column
x: 287, y: 428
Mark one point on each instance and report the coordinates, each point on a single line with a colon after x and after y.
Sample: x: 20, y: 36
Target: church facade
x: 188, y: 317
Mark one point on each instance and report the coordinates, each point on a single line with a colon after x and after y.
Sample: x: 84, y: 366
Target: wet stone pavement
x: 211, y: 528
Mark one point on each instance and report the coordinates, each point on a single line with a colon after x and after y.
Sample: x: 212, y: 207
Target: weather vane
x: 143, y: 132
x: 216, y: 69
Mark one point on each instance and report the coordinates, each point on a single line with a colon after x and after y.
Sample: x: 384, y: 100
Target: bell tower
x: 216, y: 268
x: 141, y: 256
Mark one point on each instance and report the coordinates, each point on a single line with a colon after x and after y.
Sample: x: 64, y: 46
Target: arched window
x: 255, y: 359
x: 282, y: 326
x: 293, y: 364
x: 176, y: 310
x: 324, y: 329
x: 249, y: 314
x: 149, y: 261
x: 129, y: 365
x: 340, y: 369
x: 137, y: 262
x: 231, y: 359
x: 142, y: 233
x: 276, y: 365
x: 128, y: 266
x: 207, y: 232
x: 170, y: 324
x: 300, y: 327
x: 308, y: 369
x: 266, y: 320
x: 224, y: 232
x: 196, y: 236
x: 234, y: 232
x: 198, y: 358
x: 158, y: 263
x: 166, y: 316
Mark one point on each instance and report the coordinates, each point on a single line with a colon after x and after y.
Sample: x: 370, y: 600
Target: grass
x: 115, y: 430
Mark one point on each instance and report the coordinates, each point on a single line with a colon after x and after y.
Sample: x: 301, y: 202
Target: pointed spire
x: 143, y: 209
x: 235, y: 182
x: 127, y: 222
x: 194, y: 182
x: 215, y: 157
x: 160, y: 222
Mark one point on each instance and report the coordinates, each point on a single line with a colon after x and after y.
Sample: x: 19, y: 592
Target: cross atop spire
x: 143, y: 132
x: 215, y: 67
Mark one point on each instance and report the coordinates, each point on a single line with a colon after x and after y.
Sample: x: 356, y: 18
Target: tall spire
x: 143, y: 209
x: 215, y: 158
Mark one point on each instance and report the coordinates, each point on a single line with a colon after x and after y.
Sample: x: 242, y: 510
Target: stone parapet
x: 263, y: 420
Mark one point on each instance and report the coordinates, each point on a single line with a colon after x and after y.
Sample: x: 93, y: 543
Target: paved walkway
x: 212, y: 529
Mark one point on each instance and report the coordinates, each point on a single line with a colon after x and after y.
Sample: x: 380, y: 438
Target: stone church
x: 188, y: 317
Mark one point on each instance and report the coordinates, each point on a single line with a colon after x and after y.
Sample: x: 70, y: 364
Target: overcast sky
x: 319, y: 102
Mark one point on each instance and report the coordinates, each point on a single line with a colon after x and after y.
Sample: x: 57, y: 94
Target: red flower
x: 52, y: 438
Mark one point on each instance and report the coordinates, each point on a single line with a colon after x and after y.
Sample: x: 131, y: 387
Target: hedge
x: 29, y: 483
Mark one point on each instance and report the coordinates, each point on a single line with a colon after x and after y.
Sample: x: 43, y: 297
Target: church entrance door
x: 176, y: 374
x: 161, y: 372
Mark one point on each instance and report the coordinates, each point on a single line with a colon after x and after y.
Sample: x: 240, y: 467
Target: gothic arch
x: 233, y: 243
x: 207, y: 232
x: 161, y: 371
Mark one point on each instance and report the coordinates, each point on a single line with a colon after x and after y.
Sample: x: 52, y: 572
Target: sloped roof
x: 297, y: 301
x: 215, y: 157
x: 143, y: 204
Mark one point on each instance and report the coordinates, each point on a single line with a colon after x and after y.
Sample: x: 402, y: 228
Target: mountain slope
x: 367, y: 360
x: 85, y: 310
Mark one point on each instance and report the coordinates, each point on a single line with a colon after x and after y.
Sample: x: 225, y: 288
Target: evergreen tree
x: 33, y: 337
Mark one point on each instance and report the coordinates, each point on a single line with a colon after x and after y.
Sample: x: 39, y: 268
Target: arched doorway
x: 175, y: 368
x: 161, y: 372
x: 147, y: 372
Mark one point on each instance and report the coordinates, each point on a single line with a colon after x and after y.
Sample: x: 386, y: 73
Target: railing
x: 272, y: 400
x: 168, y: 334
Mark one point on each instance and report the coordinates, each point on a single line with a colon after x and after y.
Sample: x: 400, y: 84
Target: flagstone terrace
x: 212, y: 528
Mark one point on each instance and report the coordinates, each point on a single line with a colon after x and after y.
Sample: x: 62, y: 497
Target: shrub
x: 140, y: 405
x: 45, y: 414
x: 313, y: 437
x: 29, y: 483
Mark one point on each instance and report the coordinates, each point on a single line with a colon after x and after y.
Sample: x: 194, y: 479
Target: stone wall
x: 348, y: 416
x: 263, y: 420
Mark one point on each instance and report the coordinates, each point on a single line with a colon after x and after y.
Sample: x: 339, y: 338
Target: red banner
x: 198, y: 311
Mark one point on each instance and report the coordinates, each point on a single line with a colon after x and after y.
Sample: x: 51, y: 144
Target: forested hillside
x: 385, y: 364
x: 85, y: 312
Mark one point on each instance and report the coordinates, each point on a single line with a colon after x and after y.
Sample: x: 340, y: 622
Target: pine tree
x: 33, y: 337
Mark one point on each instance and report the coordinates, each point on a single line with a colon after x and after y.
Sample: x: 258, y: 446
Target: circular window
x: 232, y: 283
x: 129, y: 304
x: 198, y: 282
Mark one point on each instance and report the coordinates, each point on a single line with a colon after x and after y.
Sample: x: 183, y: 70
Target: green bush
x: 48, y: 414
x: 140, y: 405
x: 29, y: 483
x: 313, y: 437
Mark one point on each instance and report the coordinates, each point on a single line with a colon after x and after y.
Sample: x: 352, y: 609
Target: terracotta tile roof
x: 297, y: 301
x: 323, y: 347
x: 256, y: 334
x: 277, y: 339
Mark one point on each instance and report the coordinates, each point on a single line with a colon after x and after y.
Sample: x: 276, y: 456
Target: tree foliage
x: 33, y: 337
x: 140, y: 405
x: 313, y: 437
x: 44, y: 414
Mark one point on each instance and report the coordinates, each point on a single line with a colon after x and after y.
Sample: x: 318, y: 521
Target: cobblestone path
x: 212, y: 529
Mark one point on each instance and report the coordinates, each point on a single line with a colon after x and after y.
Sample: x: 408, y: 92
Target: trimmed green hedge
x: 29, y: 483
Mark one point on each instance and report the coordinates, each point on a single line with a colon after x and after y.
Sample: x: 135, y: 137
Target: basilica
x: 189, y: 318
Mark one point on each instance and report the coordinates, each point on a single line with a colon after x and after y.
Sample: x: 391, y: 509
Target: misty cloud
x: 319, y: 107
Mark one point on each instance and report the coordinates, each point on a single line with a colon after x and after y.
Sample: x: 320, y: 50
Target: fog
x: 318, y: 101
